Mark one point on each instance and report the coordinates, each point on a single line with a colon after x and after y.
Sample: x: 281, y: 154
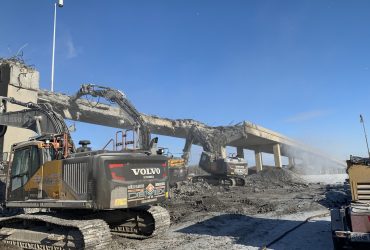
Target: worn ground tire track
x: 293, y: 229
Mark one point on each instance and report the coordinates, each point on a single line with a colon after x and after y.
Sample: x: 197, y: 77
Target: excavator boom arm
x: 116, y: 96
x: 39, y: 118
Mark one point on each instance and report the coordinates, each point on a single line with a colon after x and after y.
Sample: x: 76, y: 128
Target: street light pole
x: 60, y: 4
x: 363, y: 125
x: 53, y: 53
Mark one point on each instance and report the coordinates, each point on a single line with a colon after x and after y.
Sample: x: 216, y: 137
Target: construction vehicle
x: 350, y: 224
x: 223, y: 170
x: 88, y: 195
x: 177, y: 168
x: 228, y: 171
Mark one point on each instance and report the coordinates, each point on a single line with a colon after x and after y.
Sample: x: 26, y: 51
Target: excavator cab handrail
x: 119, y: 143
x: 109, y: 142
x: 127, y: 142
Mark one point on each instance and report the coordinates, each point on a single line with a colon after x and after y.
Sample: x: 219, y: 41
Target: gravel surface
x: 248, y: 217
x: 273, y: 201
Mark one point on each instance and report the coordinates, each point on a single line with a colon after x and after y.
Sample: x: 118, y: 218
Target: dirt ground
x: 248, y: 217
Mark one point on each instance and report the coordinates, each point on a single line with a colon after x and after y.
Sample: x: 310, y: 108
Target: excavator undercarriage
x: 81, y: 229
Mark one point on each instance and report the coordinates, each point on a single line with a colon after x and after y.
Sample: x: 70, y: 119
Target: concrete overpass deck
x: 22, y: 82
x: 244, y: 135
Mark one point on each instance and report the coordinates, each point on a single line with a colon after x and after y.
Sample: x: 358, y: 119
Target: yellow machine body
x: 359, y: 177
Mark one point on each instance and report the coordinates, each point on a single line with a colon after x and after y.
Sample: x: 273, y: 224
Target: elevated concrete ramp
x: 21, y: 82
x: 244, y: 135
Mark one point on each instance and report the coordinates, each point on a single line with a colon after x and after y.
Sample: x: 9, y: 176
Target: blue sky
x: 301, y: 68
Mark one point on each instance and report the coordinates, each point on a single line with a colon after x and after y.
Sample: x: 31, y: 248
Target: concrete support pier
x: 21, y: 82
x: 277, y: 155
x: 223, y: 152
x: 291, y: 162
x: 240, y: 152
x: 258, y: 159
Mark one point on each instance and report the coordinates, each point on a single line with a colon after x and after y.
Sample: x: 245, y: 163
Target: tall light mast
x: 60, y: 4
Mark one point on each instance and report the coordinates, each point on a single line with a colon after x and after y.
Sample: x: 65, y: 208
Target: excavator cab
x: 26, y: 160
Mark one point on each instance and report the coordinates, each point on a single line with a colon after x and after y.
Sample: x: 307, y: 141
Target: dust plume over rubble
x: 320, y: 163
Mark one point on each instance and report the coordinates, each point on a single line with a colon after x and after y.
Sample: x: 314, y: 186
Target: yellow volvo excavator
x: 88, y: 195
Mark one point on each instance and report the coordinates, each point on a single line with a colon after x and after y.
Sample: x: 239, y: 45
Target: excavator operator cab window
x: 26, y: 161
x: 49, y: 154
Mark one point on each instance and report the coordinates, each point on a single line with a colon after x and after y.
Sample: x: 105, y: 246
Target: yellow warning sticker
x: 120, y: 202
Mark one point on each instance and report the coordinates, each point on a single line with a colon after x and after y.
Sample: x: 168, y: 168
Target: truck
x: 85, y: 195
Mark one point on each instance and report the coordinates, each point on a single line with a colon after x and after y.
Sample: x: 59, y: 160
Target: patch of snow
x: 325, y: 178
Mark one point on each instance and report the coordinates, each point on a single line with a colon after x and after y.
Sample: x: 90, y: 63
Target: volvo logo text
x: 146, y: 171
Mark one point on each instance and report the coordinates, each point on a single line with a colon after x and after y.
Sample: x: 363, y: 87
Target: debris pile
x: 272, y: 178
x: 186, y: 189
x: 17, y: 60
x: 262, y: 193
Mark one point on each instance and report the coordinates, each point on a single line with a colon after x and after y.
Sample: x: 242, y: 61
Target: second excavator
x: 223, y: 170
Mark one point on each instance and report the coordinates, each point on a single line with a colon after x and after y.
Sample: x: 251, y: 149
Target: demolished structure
x: 244, y: 135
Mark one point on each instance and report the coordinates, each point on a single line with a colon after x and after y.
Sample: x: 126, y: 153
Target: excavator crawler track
x: 144, y: 222
x: 42, y: 231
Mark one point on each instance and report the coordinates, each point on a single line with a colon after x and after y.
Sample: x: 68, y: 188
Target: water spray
x: 363, y: 125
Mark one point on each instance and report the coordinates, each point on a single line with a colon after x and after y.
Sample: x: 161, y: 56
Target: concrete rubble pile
x: 260, y: 195
x: 272, y: 177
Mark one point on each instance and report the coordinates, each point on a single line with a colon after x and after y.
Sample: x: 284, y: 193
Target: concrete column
x: 14, y: 75
x: 223, y: 152
x: 277, y: 155
x: 187, y: 149
x: 258, y: 159
x: 291, y: 162
x: 240, y: 152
